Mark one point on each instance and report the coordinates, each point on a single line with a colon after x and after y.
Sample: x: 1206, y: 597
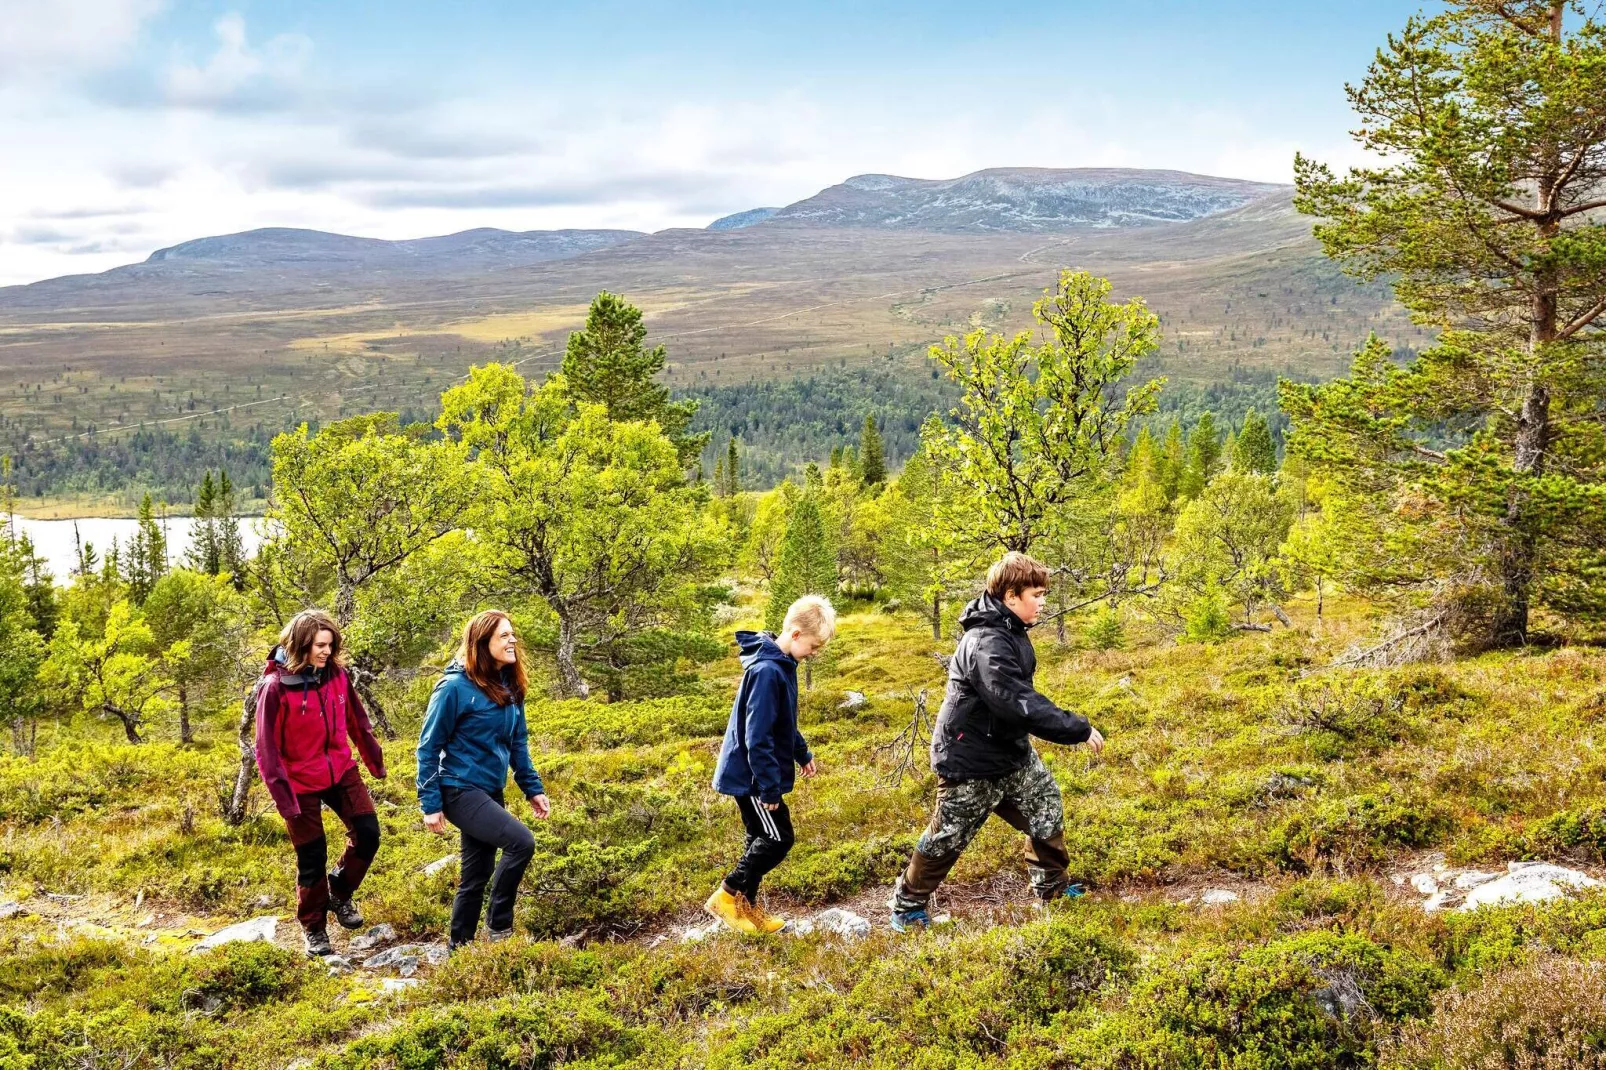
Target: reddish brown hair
x: 487, y: 673
x: 1013, y: 573
x: 298, y: 636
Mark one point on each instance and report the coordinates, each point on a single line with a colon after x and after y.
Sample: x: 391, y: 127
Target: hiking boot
x: 909, y: 920
x: 346, y: 913
x: 496, y: 936
x: 765, y: 922
x: 1072, y: 891
x: 732, y: 911
x: 318, y: 944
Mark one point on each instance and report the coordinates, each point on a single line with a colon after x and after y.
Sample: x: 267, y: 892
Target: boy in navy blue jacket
x: 762, y: 743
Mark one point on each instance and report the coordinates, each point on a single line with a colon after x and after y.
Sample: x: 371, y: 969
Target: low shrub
x: 1547, y: 1014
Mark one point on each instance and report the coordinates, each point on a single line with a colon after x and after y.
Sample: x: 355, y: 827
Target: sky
x: 130, y: 125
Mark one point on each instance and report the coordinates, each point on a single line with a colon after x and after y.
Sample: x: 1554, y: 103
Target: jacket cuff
x: 766, y: 797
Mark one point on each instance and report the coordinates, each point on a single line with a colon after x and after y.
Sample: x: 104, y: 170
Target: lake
x: 54, y: 538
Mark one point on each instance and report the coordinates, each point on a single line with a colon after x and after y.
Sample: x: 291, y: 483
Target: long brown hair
x: 298, y: 636
x: 503, y: 685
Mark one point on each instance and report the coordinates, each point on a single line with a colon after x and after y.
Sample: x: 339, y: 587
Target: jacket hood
x: 454, y: 668
x: 278, y: 665
x: 989, y: 612
x: 760, y: 646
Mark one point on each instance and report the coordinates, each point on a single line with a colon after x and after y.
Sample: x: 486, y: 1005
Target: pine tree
x: 205, y: 554
x: 872, y: 456
x: 1254, y: 452
x: 146, y: 561
x: 808, y: 561
x: 721, y: 484
x: 1171, y: 461
x: 607, y: 363
x: 733, y: 470
x: 1204, y: 457
x: 231, y: 547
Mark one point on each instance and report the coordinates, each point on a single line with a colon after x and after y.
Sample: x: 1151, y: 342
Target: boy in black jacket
x: 981, y: 751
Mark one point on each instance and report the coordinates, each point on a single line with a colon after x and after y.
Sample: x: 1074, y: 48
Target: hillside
x: 1312, y: 941
x: 197, y: 345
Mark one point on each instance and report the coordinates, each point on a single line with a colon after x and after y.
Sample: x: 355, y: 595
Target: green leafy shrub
x: 1306, y: 1002
x: 1105, y: 631
x: 1357, y: 830
x: 33, y: 970
x: 1205, y: 619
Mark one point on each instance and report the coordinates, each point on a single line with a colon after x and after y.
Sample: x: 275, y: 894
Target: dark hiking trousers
x: 486, y: 827
x: 769, y: 838
x: 350, y: 801
x: 1028, y: 799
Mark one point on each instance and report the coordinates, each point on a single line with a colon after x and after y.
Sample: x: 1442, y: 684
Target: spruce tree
x: 231, y: 547
x: 607, y: 363
x: 205, y: 554
x: 1254, y: 452
x: 733, y: 470
x: 1173, y: 458
x: 808, y: 561
x: 1204, y: 457
x: 872, y: 456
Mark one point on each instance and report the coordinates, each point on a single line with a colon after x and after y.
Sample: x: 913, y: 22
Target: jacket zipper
x: 323, y: 712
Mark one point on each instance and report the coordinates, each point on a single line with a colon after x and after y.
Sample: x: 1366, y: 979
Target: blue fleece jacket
x: 468, y: 741
x: 762, y: 745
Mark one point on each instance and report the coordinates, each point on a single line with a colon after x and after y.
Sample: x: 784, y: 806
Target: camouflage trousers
x: 1029, y: 800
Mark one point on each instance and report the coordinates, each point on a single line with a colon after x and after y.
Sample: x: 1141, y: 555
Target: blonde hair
x: 1014, y: 572
x: 811, y: 615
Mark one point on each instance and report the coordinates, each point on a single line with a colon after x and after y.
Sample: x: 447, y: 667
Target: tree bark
x: 130, y: 723
x: 363, y: 678
x: 936, y: 616
x: 570, y: 683
x: 345, y: 602
x: 234, y: 807
x: 185, y: 733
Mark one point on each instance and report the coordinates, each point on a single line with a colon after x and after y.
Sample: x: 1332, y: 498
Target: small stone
x: 146, y: 922
x: 435, y: 954
x: 1473, y: 878
x: 263, y: 902
x: 696, y: 934
x: 336, y: 964
x: 407, y: 966
x: 379, y: 934
x: 1217, y: 897
x: 843, y: 923
x: 440, y: 864
x: 1425, y: 884
x: 262, y: 928
x: 800, y: 927
x: 854, y: 700
x: 12, y: 910
x: 391, y: 985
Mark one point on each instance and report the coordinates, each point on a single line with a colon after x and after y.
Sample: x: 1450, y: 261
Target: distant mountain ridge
x: 481, y: 248
x: 1014, y: 199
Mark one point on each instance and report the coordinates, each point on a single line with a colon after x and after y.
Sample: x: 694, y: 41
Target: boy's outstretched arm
x: 1001, y: 681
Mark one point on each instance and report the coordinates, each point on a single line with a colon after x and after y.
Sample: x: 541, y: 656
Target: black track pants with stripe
x: 769, y: 838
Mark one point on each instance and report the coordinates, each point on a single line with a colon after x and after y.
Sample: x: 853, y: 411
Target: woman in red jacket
x: 306, y: 710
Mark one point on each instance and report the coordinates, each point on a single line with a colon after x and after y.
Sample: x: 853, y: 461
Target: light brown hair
x: 1014, y: 573
x: 502, y: 686
x: 298, y: 636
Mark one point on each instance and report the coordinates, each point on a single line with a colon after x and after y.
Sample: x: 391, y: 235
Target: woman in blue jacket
x: 473, y: 732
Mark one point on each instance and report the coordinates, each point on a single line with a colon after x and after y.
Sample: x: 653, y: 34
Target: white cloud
x: 67, y: 36
x: 238, y: 75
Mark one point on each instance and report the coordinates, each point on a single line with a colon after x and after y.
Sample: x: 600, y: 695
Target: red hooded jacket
x: 304, y: 721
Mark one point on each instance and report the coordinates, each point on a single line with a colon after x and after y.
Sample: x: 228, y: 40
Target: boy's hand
x: 772, y: 806
x: 1095, y: 741
x: 541, y: 806
x: 810, y: 768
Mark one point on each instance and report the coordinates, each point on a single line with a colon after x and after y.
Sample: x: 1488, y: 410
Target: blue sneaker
x: 905, y: 920
x: 1074, y: 891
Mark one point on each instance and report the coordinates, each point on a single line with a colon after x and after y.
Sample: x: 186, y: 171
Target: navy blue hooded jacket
x: 468, y: 741
x: 762, y: 745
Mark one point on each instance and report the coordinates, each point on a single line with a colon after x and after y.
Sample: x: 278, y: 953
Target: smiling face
x: 1027, y: 604
x: 504, y: 644
x: 323, y: 644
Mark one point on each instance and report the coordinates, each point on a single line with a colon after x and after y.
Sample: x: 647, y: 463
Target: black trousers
x: 485, y: 827
x: 769, y: 838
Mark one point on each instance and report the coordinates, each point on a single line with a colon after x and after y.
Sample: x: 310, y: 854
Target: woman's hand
x: 1095, y: 741
x: 541, y: 805
x: 436, y: 823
